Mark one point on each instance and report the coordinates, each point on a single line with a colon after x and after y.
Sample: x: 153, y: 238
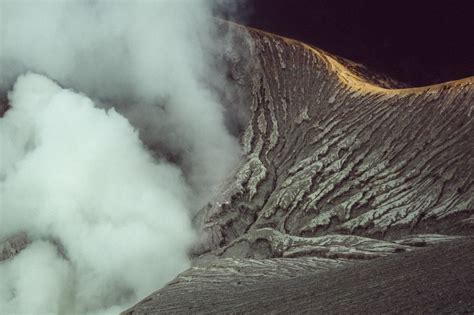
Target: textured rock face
x: 328, y: 151
x: 341, y: 166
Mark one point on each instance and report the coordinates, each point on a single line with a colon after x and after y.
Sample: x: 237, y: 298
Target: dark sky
x: 416, y: 42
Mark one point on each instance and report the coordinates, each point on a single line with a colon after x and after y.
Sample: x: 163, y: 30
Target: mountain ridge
x: 339, y: 166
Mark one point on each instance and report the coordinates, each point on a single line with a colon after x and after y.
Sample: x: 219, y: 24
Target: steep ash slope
x: 328, y: 151
x: 340, y: 167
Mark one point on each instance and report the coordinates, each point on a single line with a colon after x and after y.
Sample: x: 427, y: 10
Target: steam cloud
x: 109, y: 219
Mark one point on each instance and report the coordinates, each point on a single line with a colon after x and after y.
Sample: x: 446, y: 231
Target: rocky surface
x: 13, y: 245
x: 346, y: 176
x: 329, y: 152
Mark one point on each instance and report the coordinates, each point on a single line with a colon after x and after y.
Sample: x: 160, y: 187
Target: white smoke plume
x: 109, y: 220
x: 151, y: 59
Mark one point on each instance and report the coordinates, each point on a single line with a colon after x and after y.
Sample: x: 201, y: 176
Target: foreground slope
x: 430, y: 280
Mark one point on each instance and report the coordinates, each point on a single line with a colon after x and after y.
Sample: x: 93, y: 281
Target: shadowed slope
x: 434, y: 280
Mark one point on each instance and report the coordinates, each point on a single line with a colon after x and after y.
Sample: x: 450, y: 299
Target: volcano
x: 356, y: 193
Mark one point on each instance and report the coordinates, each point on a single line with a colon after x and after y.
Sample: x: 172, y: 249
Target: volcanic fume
x: 108, y: 220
